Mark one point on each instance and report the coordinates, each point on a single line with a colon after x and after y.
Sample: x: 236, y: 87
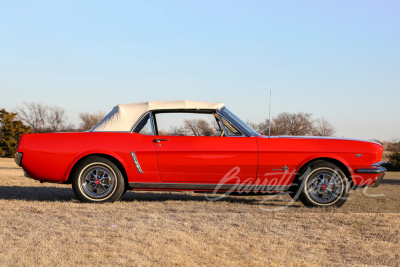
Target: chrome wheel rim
x: 325, y: 186
x: 98, y: 181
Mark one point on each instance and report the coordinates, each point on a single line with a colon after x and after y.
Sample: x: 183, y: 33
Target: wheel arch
x: 106, y: 156
x: 343, y: 167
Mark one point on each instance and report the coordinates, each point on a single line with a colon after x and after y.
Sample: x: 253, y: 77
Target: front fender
x: 325, y: 156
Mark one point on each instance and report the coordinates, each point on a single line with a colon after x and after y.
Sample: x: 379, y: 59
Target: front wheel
x: 323, y: 184
x: 97, y: 179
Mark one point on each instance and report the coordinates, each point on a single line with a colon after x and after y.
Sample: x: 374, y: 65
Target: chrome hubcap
x: 325, y: 186
x: 98, y: 181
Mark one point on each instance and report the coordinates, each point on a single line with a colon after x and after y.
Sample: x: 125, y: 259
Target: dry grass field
x: 44, y: 224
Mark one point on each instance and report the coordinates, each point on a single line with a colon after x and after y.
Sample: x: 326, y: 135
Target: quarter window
x: 144, y: 126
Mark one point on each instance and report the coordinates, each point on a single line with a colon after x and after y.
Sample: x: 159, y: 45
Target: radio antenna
x: 269, y: 123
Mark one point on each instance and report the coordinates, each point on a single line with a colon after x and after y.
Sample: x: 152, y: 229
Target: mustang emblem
x: 285, y: 168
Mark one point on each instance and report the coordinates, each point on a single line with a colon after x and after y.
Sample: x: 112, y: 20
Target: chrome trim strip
x: 18, y: 158
x: 372, y: 171
x: 137, y: 121
x: 242, y: 130
x: 271, y: 188
x: 325, y: 137
x: 159, y: 140
x: 140, y: 119
x: 135, y: 160
x: 378, y: 180
x: 151, y: 123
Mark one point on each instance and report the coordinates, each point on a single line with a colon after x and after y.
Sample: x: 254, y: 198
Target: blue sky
x: 337, y: 59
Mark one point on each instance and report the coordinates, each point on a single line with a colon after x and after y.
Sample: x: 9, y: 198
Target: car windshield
x: 232, y: 117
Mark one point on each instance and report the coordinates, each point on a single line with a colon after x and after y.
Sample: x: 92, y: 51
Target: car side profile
x: 197, y: 146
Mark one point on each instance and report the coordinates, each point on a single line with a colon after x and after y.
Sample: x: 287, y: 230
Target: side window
x: 187, y: 124
x: 144, y: 126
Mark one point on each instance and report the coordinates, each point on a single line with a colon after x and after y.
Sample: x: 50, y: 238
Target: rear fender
x: 86, y: 154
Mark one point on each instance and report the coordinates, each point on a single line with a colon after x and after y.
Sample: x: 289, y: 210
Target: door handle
x: 159, y: 140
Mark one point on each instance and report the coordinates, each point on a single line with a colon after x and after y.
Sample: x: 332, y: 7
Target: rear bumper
x: 18, y: 158
x: 377, y: 171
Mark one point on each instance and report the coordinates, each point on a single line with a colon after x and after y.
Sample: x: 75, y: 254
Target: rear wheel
x: 97, y: 179
x: 322, y: 184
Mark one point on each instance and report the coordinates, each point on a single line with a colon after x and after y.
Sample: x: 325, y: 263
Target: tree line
x: 295, y: 124
x: 49, y: 119
x: 298, y: 124
x: 40, y: 118
x: 392, y: 145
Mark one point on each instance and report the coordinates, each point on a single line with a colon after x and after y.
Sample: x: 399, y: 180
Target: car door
x: 144, y: 157
x: 194, y: 147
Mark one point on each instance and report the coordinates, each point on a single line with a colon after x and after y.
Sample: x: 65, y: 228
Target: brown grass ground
x: 44, y: 224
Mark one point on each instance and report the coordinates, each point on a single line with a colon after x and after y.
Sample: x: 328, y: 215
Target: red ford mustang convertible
x: 201, y: 147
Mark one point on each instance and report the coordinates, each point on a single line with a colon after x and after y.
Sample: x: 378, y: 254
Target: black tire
x: 322, y: 184
x: 123, y: 193
x: 293, y: 194
x: 97, y: 179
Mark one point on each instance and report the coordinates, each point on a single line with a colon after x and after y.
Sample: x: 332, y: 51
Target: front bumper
x: 377, y: 171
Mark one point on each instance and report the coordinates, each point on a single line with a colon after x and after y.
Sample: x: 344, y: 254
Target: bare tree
x: 395, y: 144
x: 34, y: 114
x: 384, y: 143
x: 90, y: 120
x: 205, y: 128
x: 195, y: 127
x: 164, y: 132
x: 253, y: 125
x: 392, y: 145
x: 293, y: 124
x: 56, y: 119
x: 42, y: 118
x: 174, y: 130
x: 262, y: 127
x: 323, y: 128
x: 191, y: 127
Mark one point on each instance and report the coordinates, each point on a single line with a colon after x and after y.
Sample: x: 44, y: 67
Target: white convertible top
x: 124, y: 116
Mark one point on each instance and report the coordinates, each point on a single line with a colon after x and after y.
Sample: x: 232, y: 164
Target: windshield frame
x: 238, y: 122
